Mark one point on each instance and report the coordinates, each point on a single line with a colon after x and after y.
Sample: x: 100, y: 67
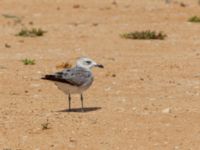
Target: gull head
x: 87, y: 63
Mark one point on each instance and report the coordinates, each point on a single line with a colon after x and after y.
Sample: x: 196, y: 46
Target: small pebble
x: 76, y: 6
x: 7, y: 45
x: 166, y: 110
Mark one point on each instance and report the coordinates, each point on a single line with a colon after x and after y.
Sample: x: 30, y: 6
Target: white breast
x: 70, y: 89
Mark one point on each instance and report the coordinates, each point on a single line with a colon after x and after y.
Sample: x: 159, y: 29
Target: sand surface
x: 146, y: 98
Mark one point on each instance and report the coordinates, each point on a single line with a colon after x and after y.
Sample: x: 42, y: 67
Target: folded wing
x: 75, y: 76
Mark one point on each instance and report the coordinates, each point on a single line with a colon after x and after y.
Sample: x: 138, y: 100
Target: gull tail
x: 48, y: 77
x: 53, y: 77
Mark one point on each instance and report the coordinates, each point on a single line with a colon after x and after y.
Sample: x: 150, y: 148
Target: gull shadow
x: 86, y: 109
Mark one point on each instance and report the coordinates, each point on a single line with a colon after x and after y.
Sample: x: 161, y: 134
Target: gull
x: 75, y: 80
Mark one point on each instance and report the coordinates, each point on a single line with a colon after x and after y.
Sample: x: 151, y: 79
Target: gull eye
x: 88, y: 62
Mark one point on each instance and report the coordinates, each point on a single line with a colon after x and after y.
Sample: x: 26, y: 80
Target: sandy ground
x: 146, y: 98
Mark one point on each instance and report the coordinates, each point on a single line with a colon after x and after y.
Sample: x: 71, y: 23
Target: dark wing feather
x: 76, y: 76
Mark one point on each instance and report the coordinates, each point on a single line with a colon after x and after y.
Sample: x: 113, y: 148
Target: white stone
x: 166, y: 110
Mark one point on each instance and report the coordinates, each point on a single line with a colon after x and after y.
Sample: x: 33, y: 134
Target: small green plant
x: 45, y: 125
x: 145, y: 35
x: 31, y: 33
x: 10, y: 16
x: 28, y: 61
x: 195, y: 19
x: 16, y: 19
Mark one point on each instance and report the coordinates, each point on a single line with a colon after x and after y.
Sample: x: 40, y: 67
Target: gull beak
x: 99, y: 65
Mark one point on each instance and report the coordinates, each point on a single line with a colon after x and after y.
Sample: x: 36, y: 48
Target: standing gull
x: 75, y: 80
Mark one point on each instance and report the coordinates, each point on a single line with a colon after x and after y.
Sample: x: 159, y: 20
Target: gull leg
x: 69, y: 100
x: 82, y: 102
